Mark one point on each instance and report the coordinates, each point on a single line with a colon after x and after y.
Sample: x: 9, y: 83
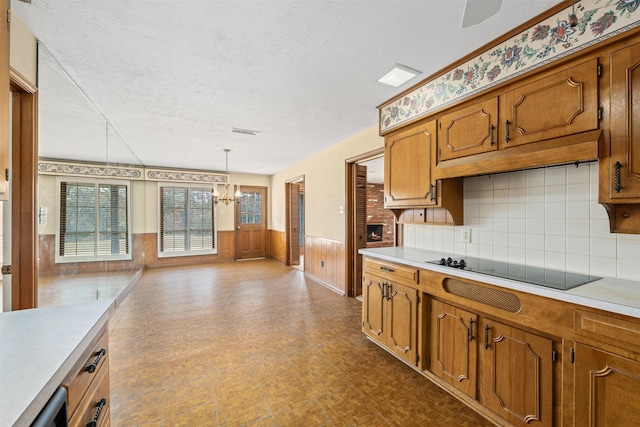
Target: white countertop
x: 38, y: 348
x: 610, y: 294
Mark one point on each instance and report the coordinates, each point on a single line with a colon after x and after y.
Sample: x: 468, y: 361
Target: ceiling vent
x: 245, y: 131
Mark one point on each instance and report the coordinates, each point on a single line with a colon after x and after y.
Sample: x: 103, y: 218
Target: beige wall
x: 324, y: 182
x: 23, y: 50
x: 144, y: 214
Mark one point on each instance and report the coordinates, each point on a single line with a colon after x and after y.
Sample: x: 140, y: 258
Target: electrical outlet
x: 465, y: 235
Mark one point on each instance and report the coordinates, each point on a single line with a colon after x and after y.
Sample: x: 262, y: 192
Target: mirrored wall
x: 91, y: 195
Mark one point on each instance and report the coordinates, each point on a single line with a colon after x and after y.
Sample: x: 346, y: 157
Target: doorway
x: 251, y: 223
x: 294, y: 190
x: 368, y: 223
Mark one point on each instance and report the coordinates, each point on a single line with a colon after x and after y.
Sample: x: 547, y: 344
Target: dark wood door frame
x: 24, y: 186
x: 288, y: 231
x: 350, y: 234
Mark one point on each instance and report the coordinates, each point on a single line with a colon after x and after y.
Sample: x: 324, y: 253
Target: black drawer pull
x: 616, y: 177
x: 486, y: 336
x: 387, y: 269
x: 100, y: 406
x: 98, y: 355
x: 507, y: 138
x: 492, y: 129
x: 471, y: 337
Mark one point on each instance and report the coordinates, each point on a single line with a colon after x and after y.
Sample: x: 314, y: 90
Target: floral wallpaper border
x: 130, y: 173
x: 545, y: 42
x: 55, y: 168
x: 183, y: 176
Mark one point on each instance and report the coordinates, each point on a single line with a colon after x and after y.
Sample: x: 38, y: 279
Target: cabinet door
x: 373, y: 307
x: 402, y: 318
x: 470, y: 130
x: 518, y: 375
x: 454, y: 346
x: 625, y: 125
x: 407, y: 167
x: 606, y: 389
x: 561, y: 104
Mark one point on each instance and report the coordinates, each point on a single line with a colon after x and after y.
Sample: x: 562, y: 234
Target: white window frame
x: 189, y: 186
x: 61, y: 259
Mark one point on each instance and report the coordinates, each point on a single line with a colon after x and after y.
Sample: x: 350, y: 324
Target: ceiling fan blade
x: 476, y: 11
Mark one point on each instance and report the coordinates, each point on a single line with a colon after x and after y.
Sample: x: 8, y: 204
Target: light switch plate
x: 465, y: 235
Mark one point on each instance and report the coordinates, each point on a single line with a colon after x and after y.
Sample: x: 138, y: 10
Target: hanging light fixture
x: 226, y: 198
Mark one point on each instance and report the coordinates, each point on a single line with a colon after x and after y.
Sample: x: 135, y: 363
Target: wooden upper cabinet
x: 407, y: 167
x: 4, y: 102
x: 558, y: 105
x: 469, y: 130
x: 625, y: 123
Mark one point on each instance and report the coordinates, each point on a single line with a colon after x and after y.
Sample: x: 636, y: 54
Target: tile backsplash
x: 542, y: 217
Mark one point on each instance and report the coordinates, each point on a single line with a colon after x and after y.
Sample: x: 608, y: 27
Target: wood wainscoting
x: 324, y: 262
x: 145, y: 254
x: 277, y: 245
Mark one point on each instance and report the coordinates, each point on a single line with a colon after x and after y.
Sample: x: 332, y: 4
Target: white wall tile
x: 628, y: 269
x: 544, y: 217
x: 555, y: 176
x: 603, y: 266
x: 604, y: 248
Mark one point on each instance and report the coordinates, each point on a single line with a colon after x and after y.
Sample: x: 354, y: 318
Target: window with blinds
x: 187, y: 221
x: 94, y: 221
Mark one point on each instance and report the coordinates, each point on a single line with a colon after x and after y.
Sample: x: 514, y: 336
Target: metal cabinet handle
x: 471, y: 337
x: 617, y: 180
x: 486, y: 336
x: 98, y: 355
x: 491, y: 134
x: 388, y: 292
x: 432, y: 191
x: 506, y: 131
x: 387, y: 269
x: 383, y: 290
x: 100, y: 405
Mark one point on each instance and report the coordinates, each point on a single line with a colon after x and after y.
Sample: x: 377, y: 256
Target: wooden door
x: 454, y: 346
x: 251, y: 223
x: 561, y: 104
x: 4, y: 103
x: 402, y: 321
x: 294, y: 223
x: 607, y: 387
x: 625, y: 125
x: 373, y: 307
x: 361, y: 223
x: 517, y: 375
x: 407, y: 167
x: 469, y: 130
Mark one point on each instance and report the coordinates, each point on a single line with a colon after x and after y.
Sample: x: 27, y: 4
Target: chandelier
x: 226, y: 198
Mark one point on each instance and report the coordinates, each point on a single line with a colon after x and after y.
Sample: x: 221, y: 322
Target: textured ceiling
x: 174, y: 77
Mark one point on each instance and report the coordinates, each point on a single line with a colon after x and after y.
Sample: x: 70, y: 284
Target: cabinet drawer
x: 393, y: 271
x: 605, y: 328
x: 82, y: 375
x: 92, y: 402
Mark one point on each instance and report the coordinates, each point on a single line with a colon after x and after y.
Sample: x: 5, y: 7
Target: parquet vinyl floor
x: 256, y: 344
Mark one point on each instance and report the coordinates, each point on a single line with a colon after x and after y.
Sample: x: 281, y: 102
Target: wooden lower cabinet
x: 390, y: 316
x: 518, y: 374
x: 454, y: 346
x: 511, y: 369
x: 606, y: 388
x: 88, y: 396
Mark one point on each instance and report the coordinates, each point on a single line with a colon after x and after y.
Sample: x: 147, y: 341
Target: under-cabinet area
x: 518, y: 354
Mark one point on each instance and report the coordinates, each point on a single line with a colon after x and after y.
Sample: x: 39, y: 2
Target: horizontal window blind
x: 94, y: 220
x: 187, y: 220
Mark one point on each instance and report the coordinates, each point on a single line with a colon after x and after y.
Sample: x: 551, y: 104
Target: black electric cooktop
x: 534, y: 275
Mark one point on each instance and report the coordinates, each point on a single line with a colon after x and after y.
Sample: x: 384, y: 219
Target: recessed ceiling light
x: 398, y: 76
